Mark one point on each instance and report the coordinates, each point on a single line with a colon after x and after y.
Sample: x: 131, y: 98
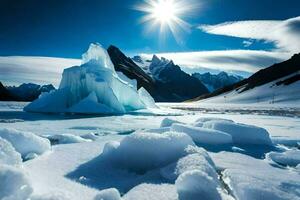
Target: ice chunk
x: 132, y: 82
x: 158, y: 130
x: 241, y: 133
x: 108, y: 194
x: 146, y: 98
x: 190, y: 162
x: 14, y: 185
x: 288, y: 158
x: 8, y: 154
x: 195, y: 185
x: 66, y: 139
x: 92, y: 88
x: 158, y: 149
x: 25, y: 142
x: 152, y: 192
x: 203, y: 135
x: 110, y: 147
x: 90, y: 105
x: 167, y: 122
x: 90, y: 136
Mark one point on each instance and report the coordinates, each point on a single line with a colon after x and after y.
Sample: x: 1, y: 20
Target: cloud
x: 284, y: 33
x: 228, y: 60
x: 26, y: 69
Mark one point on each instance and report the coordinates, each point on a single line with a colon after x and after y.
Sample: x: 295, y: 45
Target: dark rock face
x: 4, y: 93
x: 168, y: 82
x: 263, y: 76
x: 24, y: 92
x: 217, y: 81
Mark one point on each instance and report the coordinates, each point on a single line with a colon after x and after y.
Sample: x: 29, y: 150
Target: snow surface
x: 25, y: 142
x: 81, y: 171
x: 289, y: 157
x: 92, y: 88
x: 268, y: 94
x: 8, y: 154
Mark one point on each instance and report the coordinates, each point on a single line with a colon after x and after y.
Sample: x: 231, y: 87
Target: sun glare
x: 167, y: 14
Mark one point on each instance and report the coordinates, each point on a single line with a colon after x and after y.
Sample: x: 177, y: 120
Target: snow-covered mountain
x: 217, y: 81
x: 163, y: 79
x: 277, y: 84
x: 24, y: 92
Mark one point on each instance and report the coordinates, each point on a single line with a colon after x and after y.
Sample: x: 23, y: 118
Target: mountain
x: 164, y: 80
x: 4, y: 93
x: 277, y: 80
x: 217, y: 81
x: 24, y: 92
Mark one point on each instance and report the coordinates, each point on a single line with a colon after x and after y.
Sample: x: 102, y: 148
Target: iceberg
x: 94, y: 87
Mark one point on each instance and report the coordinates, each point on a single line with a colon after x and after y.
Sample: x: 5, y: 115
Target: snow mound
x: 90, y: 136
x: 152, y: 192
x: 25, y: 142
x: 14, y: 185
x: 167, y: 122
x: 190, y: 162
x: 8, y: 154
x: 158, y: 149
x: 66, y: 139
x: 194, y: 184
x: 288, y: 158
x: 241, y: 133
x: 203, y: 135
x: 92, y: 88
x: 57, y: 195
x: 108, y: 194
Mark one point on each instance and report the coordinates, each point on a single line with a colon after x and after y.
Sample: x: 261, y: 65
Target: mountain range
x: 24, y: 92
x: 278, y: 79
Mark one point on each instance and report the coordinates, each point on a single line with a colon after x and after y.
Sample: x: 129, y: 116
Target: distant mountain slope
x: 24, y: 92
x: 164, y: 80
x: 282, y: 76
x: 4, y: 93
x: 217, y: 81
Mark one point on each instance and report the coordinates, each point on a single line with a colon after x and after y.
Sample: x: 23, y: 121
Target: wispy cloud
x: 25, y: 69
x: 227, y: 60
x: 285, y: 34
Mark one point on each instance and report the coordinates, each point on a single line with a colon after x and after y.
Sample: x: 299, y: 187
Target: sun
x: 164, y: 11
x: 167, y: 14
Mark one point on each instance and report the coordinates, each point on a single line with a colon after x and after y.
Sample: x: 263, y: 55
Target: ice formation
x: 8, y: 154
x: 93, y: 88
x: 203, y: 135
x: 289, y: 158
x: 25, y: 142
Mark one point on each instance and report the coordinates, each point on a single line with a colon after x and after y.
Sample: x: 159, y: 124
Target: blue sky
x: 64, y: 28
x: 238, y: 36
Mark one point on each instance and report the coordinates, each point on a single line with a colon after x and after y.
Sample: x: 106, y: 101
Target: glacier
x: 94, y: 87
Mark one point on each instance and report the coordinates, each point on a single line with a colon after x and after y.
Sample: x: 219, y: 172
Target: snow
x: 133, y: 150
x: 241, y: 133
x: 194, y: 184
x: 8, y: 154
x: 249, y: 178
x: 80, y: 171
x: 92, y: 88
x: 287, y: 158
x: 25, y: 142
x: 195, y: 161
x: 151, y: 192
x: 268, y: 94
x: 203, y: 135
x: 108, y: 194
x: 14, y: 185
